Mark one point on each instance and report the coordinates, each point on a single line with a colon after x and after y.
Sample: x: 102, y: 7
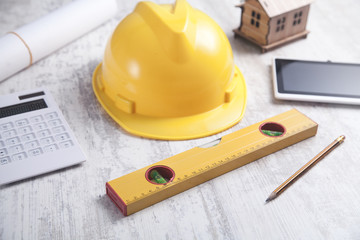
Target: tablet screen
x: 318, y: 78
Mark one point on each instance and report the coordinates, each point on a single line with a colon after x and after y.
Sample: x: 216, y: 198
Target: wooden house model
x: 271, y: 23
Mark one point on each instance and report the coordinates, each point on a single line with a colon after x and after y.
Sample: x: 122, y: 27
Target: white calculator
x: 34, y: 136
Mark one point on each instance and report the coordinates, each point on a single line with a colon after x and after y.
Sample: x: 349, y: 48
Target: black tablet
x: 316, y: 81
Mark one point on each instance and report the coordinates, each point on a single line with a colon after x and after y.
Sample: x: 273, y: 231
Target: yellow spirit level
x: 154, y: 183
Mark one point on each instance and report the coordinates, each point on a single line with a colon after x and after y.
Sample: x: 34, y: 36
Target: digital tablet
x: 316, y: 81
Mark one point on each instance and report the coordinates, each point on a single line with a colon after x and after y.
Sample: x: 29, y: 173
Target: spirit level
x: 154, y: 183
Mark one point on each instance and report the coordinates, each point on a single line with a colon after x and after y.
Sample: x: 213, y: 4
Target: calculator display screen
x: 22, y: 108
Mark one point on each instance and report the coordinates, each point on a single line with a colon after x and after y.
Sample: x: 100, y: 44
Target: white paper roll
x: 28, y: 44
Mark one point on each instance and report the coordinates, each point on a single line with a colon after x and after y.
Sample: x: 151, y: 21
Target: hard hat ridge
x: 173, y: 28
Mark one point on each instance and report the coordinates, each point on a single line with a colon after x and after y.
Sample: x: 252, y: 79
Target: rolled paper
x: 24, y: 46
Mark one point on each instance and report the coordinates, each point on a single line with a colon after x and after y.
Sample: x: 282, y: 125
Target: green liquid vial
x: 272, y: 133
x: 156, y: 177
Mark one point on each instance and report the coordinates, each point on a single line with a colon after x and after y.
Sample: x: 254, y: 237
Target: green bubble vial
x: 156, y: 177
x: 272, y: 133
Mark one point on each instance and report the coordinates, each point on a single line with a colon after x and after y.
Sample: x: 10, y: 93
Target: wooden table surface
x: 72, y: 204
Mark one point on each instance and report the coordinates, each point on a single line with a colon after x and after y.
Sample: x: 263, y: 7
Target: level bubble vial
x: 272, y: 129
x: 159, y: 175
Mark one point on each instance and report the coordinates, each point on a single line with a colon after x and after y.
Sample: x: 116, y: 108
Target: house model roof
x: 277, y: 7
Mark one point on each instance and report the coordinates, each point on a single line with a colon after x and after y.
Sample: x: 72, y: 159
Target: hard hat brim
x: 177, y: 128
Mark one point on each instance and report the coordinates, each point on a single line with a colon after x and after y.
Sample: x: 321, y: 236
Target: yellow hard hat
x: 168, y: 73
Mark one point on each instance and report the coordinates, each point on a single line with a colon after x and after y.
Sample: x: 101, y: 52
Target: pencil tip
x: 271, y: 197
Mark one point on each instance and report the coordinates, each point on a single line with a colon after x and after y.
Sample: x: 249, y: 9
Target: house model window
x: 297, y: 18
x: 255, y: 18
x: 280, y: 24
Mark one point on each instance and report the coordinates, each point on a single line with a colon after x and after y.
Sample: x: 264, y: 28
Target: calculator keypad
x: 37, y: 135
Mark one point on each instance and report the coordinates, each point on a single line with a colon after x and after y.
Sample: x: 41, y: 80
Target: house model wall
x: 271, y: 23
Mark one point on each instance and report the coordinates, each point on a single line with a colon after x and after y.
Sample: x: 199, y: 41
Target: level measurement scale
x: 178, y: 173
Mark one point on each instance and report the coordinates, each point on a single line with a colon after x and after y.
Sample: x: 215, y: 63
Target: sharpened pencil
x: 306, y: 167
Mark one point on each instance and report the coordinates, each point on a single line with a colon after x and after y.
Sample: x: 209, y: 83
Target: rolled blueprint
x: 24, y: 46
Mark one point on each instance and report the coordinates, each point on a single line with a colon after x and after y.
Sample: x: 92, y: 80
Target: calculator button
x: 47, y: 140
x: 4, y: 160
x: 2, y: 144
x: 66, y: 144
x: 32, y: 144
x: 50, y: 116
x: 35, y: 152
x: 25, y: 130
x: 10, y: 133
x: 58, y: 129
x: 55, y: 123
x: 44, y: 133
x: 62, y: 137
x: 19, y: 156
x: 16, y: 149
x: 21, y: 123
x: 3, y: 152
x: 12, y: 141
x: 28, y: 137
x: 50, y: 148
x: 6, y: 126
x: 36, y: 119
x: 40, y: 126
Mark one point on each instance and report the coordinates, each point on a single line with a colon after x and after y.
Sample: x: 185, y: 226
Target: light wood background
x: 71, y: 203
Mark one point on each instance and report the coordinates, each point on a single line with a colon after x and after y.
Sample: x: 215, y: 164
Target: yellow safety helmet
x: 168, y: 73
